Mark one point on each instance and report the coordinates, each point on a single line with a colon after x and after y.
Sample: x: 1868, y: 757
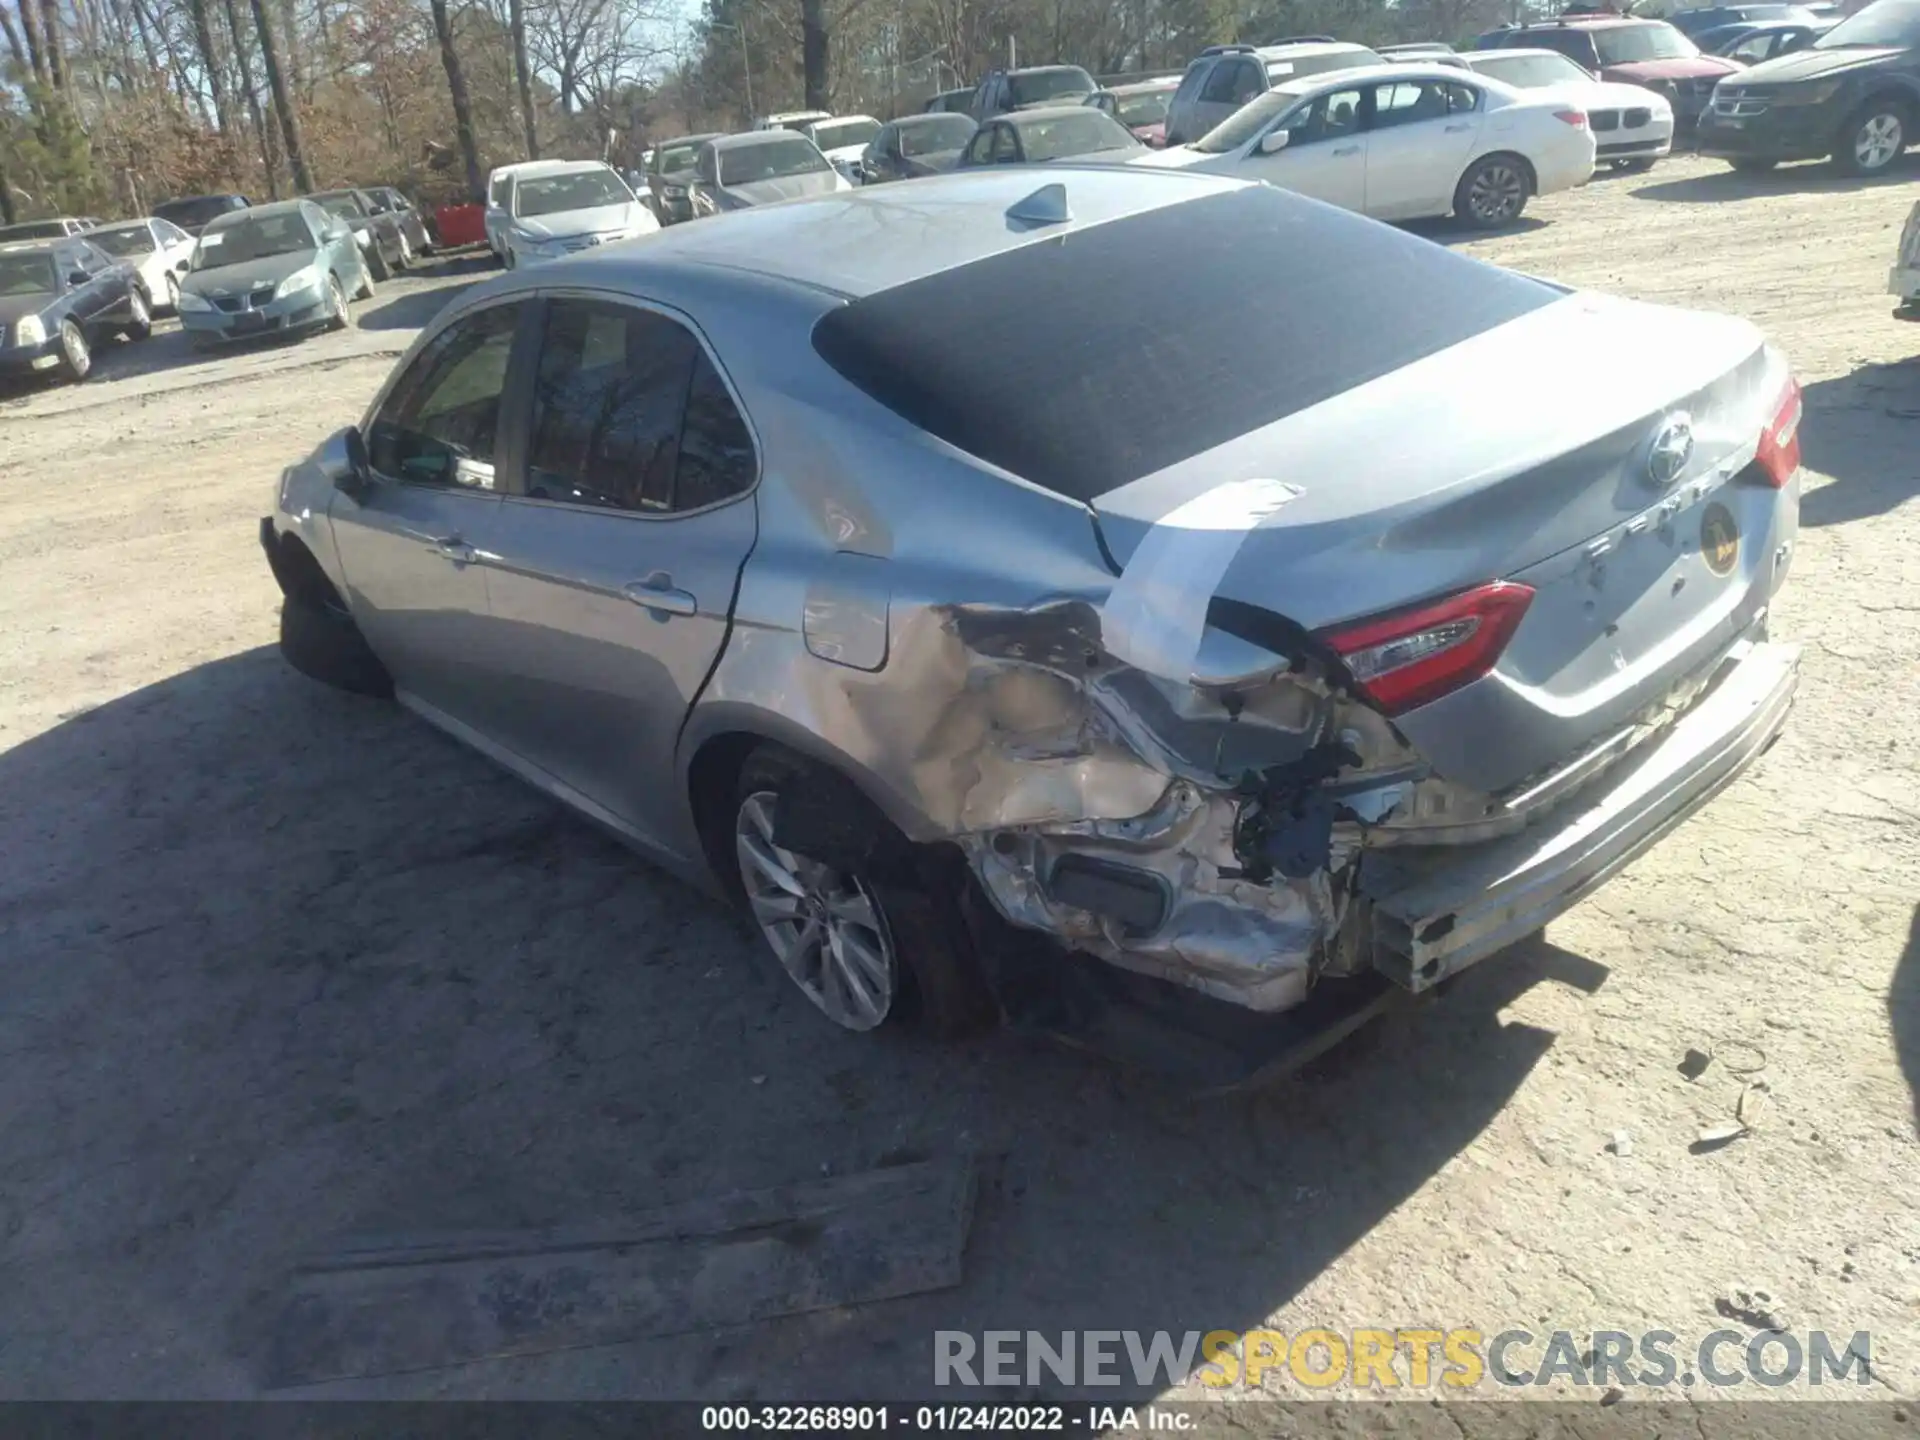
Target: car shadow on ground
x: 413, y: 309
x: 1809, y: 177
x: 1903, y: 1011
x: 1445, y: 230
x: 285, y: 963
x: 1861, y: 429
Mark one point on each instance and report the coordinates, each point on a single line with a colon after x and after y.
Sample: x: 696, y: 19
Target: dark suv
x: 1634, y: 52
x: 1854, y: 94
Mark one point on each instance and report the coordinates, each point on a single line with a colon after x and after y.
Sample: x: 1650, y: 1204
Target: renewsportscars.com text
x: 1460, y: 1359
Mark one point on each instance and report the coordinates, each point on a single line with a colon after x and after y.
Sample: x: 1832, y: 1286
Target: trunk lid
x: 1512, y: 455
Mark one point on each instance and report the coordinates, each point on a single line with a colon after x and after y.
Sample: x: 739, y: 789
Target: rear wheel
x: 377, y: 267
x: 406, y: 252
x: 173, y: 292
x: 1872, y: 138
x: 76, y: 356
x: 1493, y: 192
x: 860, y: 935
x: 1633, y: 167
x: 139, y: 318
x: 338, y: 315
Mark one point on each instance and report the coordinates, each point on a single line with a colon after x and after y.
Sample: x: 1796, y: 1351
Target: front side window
x: 440, y: 424
x: 1220, y: 84
x: 1250, y: 120
x: 608, y: 396
x: 1006, y: 146
x: 980, y: 151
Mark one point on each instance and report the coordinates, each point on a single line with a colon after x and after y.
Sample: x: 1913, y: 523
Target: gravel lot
x: 279, y: 963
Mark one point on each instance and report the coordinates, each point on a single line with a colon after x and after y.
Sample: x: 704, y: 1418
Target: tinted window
x: 1220, y: 84
x: 28, y: 272
x: 1576, y: 45
x: 981, y: 148
x: 716, y: 459
x: 1203, y: 365
x: 200, y: 210
x: 932, y: 134
x: 673, y: 158
x: 608, y: 396
x: 439, y: 425
x: 253, y: 238
x: 33, y: 230
x: 838, y: 134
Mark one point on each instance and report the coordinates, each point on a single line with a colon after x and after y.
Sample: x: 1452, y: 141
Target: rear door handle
x: 1348, y: 150
x: 455, y: 549
x: 657, y: 593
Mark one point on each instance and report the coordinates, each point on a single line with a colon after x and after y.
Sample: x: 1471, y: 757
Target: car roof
x: 1515, y: 52
x: 516, y: 167
x: 258, y: 212
x: 1293, y: 49
x: 559, y: 167
x: 873, y: 238
x: 1587, y: 22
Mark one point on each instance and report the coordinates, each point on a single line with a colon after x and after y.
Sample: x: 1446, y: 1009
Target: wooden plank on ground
x: 379, y: 1305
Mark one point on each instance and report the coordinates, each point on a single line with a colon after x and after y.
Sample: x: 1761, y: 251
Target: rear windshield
x: 934, y: 134
x: 1025, y: 360
x: 33, y: 230
x: 1079, y: 132
x: 1033, y: 86
x: 124, y: 240
x: 200, y: 210
x: 770, y: 160
x: 672, y: 159
x: 1145, y: 109
x: 838, y: 134
x: 1630, y: 44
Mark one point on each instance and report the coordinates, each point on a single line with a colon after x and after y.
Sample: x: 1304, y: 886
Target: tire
x: 1493, y: 192
x: 1633, y: 167
x: 903, y: 954
x: 1872, y: 139
x: 173, y: 292
x: 340, y: 317
x: 1753, y: 167
x: 377, y: 267
x: 321, y: 641
x: 406, y: 252
x: 140, y: 322
x: 76, y: 356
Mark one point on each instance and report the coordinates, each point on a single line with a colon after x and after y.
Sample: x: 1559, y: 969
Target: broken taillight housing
x: 1779, y: 452
x: 1411, y: 657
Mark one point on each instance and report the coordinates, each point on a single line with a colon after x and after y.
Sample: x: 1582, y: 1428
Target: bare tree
x: 457, y: 91
x: 282, y: 98
x: 523, y: 75
x: 210, y: 63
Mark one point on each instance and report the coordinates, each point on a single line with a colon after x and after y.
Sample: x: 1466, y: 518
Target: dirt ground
x: 276, y: 963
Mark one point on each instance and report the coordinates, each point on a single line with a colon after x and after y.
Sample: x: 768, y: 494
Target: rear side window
x: 1120, y: 391
x: 1220, y: 84
x: 607, y: 399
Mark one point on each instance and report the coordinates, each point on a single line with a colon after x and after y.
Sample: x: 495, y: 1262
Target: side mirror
x: 1274, y: 141
x: 357, y: 479
x: 79, y: 277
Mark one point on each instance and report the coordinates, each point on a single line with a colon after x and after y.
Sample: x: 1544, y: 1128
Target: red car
x: 1141, y: 106
x: 1633, y: 51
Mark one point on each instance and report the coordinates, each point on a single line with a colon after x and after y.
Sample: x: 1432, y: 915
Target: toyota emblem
x: 1672, y: 448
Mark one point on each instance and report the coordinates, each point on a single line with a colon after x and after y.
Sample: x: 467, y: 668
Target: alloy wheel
x: 79, y: 357
x: 406, y: 251
x: 137, y: 313
x: 339, y: 298
x: 173, y: 293
x: 1497, y: 193
x: 1877, y: 141
x: 825, y: 926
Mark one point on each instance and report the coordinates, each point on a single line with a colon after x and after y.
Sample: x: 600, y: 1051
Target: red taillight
x: 1575, y: 118
x: 1779, y: 452
x: 1408, y: 658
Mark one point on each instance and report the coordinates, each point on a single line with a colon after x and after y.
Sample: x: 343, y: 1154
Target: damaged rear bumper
x: 1435, y: 912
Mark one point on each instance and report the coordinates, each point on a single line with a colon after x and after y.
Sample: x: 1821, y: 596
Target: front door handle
x: 1348, y: 150
x: 455, y: 549
x: 657, y: 593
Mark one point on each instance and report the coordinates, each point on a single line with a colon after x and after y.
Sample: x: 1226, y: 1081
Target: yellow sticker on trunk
x: 1719, y: 539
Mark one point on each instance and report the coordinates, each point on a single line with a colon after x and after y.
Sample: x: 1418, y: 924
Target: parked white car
x: 1632, y: 125
x: 158, y: 250
x: 844, y: 140
x: 499, y: 181
x: 567, y: 206
x: 795, y: 120
x: 1400, y: 142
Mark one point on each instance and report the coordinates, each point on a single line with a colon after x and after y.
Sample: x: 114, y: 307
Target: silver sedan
x: 1291, y: 634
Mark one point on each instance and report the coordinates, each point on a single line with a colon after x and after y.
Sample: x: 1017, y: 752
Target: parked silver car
x: 272, y: 270
x: 1261, y: 673
x: 760, y: 167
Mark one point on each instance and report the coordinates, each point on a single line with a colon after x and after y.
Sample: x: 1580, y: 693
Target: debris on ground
x: 1756, y: 1100
x: 1622, y: 1143
x: 388, y: 1304
x: 1714, y: 1136
x: 1741, y: 1057
x: 1751, y: 1307
x: 1694, y: 1063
